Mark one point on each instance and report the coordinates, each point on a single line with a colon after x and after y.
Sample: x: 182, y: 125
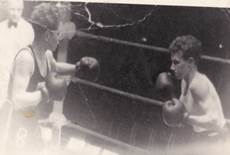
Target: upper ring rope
x: 149, y: 47
x: 138, y: 45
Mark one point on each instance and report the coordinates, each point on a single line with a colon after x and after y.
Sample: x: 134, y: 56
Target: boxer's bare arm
x: 65, y: 68
x: 182, y: 90
x: 24, y: 66
x: 62, y: 68
x: 200, y: 94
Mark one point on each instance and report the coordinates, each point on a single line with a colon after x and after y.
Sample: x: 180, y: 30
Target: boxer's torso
x: 192, y: 104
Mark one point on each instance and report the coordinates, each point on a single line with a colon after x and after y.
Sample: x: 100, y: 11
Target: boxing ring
x: 77, y: 143
x: 106, y: 145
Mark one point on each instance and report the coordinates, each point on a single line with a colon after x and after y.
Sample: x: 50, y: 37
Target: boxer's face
x: 180, y: 66
x: 15, y: 10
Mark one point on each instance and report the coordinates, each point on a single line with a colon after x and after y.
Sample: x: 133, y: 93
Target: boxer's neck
x: 191, y: 74
x: 39, y: 48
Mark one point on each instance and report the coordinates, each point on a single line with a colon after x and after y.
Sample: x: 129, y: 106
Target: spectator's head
x: 15, y: 8
x: 185, y: 54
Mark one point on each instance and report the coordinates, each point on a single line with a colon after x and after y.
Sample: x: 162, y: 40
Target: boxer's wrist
x: 186, y: 117
x: 77, y: 66
x: 44, y: 94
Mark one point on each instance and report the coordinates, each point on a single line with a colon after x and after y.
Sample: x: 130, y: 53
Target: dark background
x: 135, y: 69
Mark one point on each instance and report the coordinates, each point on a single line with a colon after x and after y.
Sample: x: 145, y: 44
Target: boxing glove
x: 165, y: 86
x: 88, y: 68
x: 164, y: 80
x: 173, y: 113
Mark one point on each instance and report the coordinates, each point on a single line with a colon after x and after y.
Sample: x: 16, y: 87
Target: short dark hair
x: 46, y: 16
x: 188, y: 45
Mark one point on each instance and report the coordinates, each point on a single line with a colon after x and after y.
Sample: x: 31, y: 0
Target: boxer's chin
x: 178, y: 77
x: 14, y: 19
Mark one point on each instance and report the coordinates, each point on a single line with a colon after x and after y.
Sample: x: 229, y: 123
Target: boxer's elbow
x: 208, y: 121
x: 22, y: 101
x: 18, y: 102
x: 214, y: 123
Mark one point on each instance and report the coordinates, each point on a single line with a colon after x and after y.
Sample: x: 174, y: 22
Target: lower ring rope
x: 81, y: 129
x: 106, y: 138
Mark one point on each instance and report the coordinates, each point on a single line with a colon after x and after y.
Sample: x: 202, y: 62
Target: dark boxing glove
x: 88, y: 68
x: 165, y: 85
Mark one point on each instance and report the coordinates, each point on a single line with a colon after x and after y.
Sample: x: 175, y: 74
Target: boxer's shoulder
x: 199, y: 85
x: 25, y: 57
x: 199, y: 80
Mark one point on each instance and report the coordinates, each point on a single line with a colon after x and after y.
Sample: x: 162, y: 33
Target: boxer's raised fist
x: 88, y: 68
x: 173, y: 113
x: 165, y: 85
x: 164, y: 80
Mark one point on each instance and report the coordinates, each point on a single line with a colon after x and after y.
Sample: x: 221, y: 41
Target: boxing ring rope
x: 121, y: 93
x: 118, y: 92
x: 144, y: 46
x: 86, y: 131
x: 118, y: 41
x: 106, y: 138
x: 139, y: 99
x: 138, y: 45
